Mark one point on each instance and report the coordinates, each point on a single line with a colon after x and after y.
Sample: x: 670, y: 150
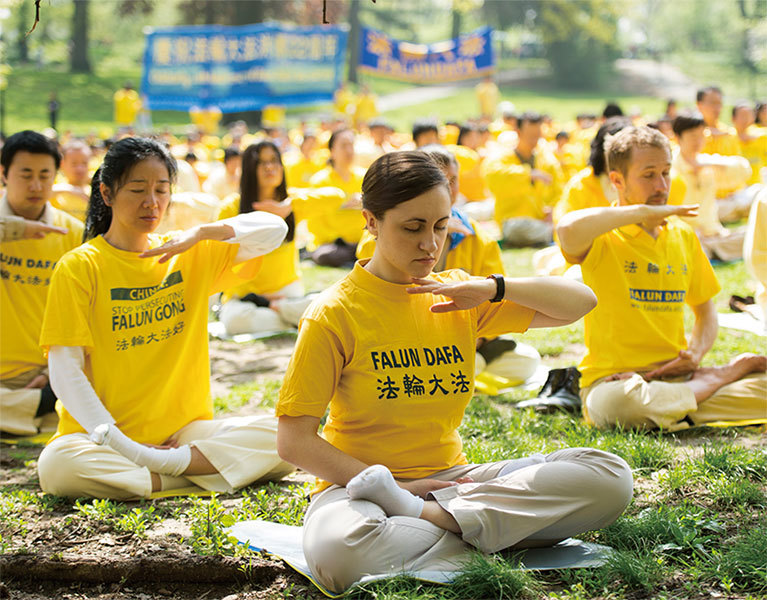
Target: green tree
x: 579, y: 37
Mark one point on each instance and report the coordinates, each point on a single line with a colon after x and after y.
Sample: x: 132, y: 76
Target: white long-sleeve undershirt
x: 256, y: 232
x: 71, y: 386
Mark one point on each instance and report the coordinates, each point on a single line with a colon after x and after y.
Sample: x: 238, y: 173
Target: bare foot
x: 707, y: 380
x: 620, y: 376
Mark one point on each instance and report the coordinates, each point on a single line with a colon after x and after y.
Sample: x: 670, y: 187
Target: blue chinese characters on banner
x: 464, y: 57
x: 242, y: 68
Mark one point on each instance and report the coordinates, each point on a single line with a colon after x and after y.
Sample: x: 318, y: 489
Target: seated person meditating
x: 275, y: 298
x: 126, y: 332
x: 644, y: 264
x: 389, y: 350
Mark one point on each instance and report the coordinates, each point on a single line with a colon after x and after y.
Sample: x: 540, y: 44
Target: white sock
x: 172, y: 461
x: 376, y: 484
x: 521, y: 463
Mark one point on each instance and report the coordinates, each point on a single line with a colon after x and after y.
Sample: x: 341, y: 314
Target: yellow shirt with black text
x: 396, y: 376
x: 143, y: 326
x: 641, y: 285
x: 26, y: 267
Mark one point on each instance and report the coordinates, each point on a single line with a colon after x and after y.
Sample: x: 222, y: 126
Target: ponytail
x: 99, y: 216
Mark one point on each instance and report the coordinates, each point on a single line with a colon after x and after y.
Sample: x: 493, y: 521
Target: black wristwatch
x: 500, y: 287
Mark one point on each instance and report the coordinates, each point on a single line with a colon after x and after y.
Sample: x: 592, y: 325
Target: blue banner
x: 242, y: 68
x: 465, y: 57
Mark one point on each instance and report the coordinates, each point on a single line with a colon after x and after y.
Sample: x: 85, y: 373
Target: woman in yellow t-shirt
x: 337, y: 230
x: 275, y: 299
x: 125, y: 328
x: 396, y: 371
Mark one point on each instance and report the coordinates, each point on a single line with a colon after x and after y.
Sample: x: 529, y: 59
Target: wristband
x: 500, y: 287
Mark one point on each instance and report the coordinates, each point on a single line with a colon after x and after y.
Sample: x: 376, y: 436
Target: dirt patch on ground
x: 233, y: 363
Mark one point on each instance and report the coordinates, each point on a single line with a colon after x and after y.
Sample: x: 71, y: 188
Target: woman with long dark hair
x: 125, y: 328
x: 274, y: 299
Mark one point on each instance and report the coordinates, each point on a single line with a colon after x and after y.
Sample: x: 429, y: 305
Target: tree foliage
x: 580, y: 39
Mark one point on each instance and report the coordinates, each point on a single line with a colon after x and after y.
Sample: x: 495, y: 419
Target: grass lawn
x: 561, y: 105
x: 86, y: 102
x: 696, y: 527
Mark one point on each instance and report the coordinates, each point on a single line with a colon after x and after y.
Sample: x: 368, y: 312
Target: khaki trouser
x: 634, y: 402
x: 18, y: 406
x: 562, y: 494
x: 243, y: 450
x: 724, y: 247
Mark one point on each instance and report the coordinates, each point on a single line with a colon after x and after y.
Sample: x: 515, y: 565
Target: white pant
x: 18, y: 406
x: 242, y: 449
x: 285, y: 312
x: 563, y: 494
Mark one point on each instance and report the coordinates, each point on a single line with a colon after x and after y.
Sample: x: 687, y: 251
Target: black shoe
x: 560, y: 392
x: 739, y: 303
x: 554, y: 381
x: 492, y: 349
x: 47, y: 401
x: 260, y: 301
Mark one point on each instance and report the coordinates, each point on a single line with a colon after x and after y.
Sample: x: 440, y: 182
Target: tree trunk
x: 248, y: 11
x: 457, y: 17
x: 79, y: 48
x: 24, y: 26
x: 354, y: 40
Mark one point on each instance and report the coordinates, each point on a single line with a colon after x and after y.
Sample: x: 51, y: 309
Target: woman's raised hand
x: 463, y: 294
x: 281, y: 209
x: 177, y: 245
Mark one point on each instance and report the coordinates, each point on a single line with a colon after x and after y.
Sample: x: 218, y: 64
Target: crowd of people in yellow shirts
x: 632, y: 207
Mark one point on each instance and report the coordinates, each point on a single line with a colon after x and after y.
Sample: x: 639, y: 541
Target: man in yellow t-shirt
x: 127, y: 105
x: 643, y: 264
x: 720, y: 139
x: 526, y: 182
x: 29, y: 161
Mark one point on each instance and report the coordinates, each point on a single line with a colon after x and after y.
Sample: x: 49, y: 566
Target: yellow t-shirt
x: 342, y: 99
x: 470, y: 181
x: 477, y: 254
x: 396, y: 376
x: 127, y: 104
x: 327, y: 221
x: 71, y: 203
x: 516, y: 195
x: 724, y: 143
x: 641, y: 285
x: 366, y: 108
x: 487, y: 95
x: 299, y: 170
x: 144, y: 328
x: 584, y: 190
x: 26, y: 267
x: 279, y: 268
x: 755, y: 152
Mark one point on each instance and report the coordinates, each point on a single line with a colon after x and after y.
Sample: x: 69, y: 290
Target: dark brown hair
x: 397, y: 177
